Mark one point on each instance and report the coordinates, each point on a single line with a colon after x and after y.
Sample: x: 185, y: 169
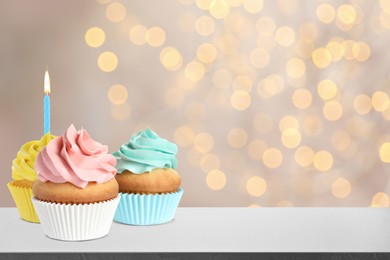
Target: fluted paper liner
x: 73, y: 222
x: 22, y: 197
x: 147, y: 209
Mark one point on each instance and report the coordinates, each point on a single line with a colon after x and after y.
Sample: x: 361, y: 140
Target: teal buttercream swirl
x: 145, y: 152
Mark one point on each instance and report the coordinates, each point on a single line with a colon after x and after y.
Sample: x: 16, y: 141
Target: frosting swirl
x: 74, y: 157
x: 23, y: 164
x: 144, y: 152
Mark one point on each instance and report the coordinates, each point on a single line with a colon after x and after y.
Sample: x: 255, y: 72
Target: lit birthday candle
x: 46, y: 104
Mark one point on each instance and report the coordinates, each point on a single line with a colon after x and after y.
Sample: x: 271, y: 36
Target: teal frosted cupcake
x: 148, y: 182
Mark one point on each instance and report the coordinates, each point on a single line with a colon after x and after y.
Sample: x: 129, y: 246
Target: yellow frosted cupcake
x: 24, y: 176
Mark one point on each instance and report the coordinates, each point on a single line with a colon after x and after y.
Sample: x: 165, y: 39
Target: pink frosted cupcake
x: 76, y: 193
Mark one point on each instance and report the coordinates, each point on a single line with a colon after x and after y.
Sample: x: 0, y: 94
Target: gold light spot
x: 219, y: 9
x: 384, y: 19
x: 95, y: 37
x: 327, y: 89
x: 272, y: 158
x: 302, y: 98
x: 259, y: 58
x: 295, y: 68
x: 137, y: 34
x: 323, y: 161
x: 155, y: 36
x: 206, y: 52
x: 341, y: 140
x: 240, y: 100
x: 291, y: 138
x: 312, y: 125
x: 341, y: 188
x: 256, y: 149
x: 242, y: 83
x: 309, y: 31
x: 107, y: 61
x: 335, y: 49
x: 256, y: 186
x: 120, y: 112
x: 194, y: 71
x: 171, y: 58
x: 384, y: 152
x: 325, y: 13
x: 380, y: 200
x: 346, y: 14
x: 184, y: 136
x: 222, y: 78
x: 253, y: 6
x: 262, y: 123
x: 254, y: 206
x: 321, y: 58
x: 362, y: 104
x: 380, y: 101
x: 203, y: 142
x: 361, y: 51
x: 385, y: 5
x: 204, y: 25
x: 203, y: 4
x: 265, y: 26
x: 271, y: 85
x: 237, y: 137
x: 332, y: 110
x: 304, y: 156
x: 117, y: 94
x: 210, y: 162
x: 285, y: 36
x: 174, y: 97
x: 288, y: 122
x: 116, y: 12
x: 216, y: 180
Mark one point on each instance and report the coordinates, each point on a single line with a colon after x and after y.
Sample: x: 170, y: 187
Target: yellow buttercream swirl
x: 23, y: 164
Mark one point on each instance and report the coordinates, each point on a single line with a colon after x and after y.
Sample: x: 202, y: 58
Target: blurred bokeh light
x: 272, y: 103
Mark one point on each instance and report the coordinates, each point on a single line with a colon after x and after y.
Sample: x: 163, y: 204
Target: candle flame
x: 47, y: 83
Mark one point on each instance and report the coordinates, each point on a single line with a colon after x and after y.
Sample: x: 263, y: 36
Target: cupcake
x: 76, y: 193
x: 24, y: 176
x: 149, y: 185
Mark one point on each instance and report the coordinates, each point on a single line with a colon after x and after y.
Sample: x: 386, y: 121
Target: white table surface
x: 222, y: 230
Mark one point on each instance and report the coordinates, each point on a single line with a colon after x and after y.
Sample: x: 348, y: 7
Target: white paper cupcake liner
x: 76, y: 222
x: 147, y: 209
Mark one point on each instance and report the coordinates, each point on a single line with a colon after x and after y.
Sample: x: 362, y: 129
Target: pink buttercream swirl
x: 74, y: 157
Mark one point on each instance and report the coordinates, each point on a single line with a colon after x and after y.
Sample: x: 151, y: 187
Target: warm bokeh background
x: 272, y: 103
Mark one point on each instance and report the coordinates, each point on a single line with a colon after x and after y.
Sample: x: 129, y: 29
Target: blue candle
x: 46, y: 105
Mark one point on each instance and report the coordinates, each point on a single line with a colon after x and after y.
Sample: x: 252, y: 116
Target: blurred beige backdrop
x: 272, y: 103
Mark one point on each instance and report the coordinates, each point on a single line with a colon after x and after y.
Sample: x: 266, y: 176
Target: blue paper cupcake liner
x: 147, y: 209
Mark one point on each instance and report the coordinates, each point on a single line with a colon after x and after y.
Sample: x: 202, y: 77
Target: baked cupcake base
x: 22, y: 197
x: 147, y: 209
x: 76, y: 222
